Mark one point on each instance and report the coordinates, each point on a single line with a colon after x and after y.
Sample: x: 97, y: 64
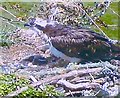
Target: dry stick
x: 10, y: 13
x: 73, y: 92
x: 79, y: 80
x: 112, y: 25
x: 91, y: 75
x: 9, y: 23
x: 99, y: 64
x: 97, y: 93
x: 33, y: 78
x: 94, y: 23
x: 67, y: 75
x: 78, y: 86
x: 114, y: 12
x: 57, y: 77
x: 15, y: 93
x: 100, y: 80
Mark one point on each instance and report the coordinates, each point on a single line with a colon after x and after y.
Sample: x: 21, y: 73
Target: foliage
x: 4, y: 39
x: 10, y: 82
x: 32, y: 92
x: 69, y: 14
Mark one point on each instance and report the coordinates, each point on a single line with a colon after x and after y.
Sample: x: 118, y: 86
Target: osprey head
x: 39, y: 23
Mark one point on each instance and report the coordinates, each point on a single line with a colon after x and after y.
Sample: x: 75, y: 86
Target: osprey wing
x: 81, y: 43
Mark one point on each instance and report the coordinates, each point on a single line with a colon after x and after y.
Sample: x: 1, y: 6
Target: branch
x: 67, y: 75
x: 73, y: 93
x: 15, y: 93
x: 57, y: 77
x: 79, y: 86
x: 114, y: 12
x: 8, y: 12
x: 9, y: 23
x: 99, y: 64
x: 94, y: 22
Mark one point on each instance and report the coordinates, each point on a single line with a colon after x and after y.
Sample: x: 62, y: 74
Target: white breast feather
x: 57, y: 53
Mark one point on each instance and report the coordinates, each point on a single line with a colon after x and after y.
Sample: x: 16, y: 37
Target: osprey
x: 75, y: 44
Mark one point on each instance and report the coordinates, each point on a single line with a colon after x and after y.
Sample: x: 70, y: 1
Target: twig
x: 114, y: 12
x: 10, y: 20
x: 15, y: 93
x: 57, y: 77
x: 78, y: 86
x: 72, y: 92
x: 33, y: 78
x: 9, y: 23
x: 100, y: 81
x: 90, y: 75
x: 94, y: 22
x: 8, y: 12
x: 99, y: 64
x: 67, y: 75
x: 97, y: 93
x: 112, y: 25
x: 78, y: 80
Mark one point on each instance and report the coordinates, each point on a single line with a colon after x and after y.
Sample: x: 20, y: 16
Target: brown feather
x: 79, y: 42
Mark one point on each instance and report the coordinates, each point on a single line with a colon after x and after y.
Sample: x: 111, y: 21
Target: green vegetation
x: 9, y: 83
x: 23, y: 10
x: 111, y: 19
x: 10, y: 23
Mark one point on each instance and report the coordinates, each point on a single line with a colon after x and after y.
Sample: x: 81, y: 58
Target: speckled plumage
x: 80, y: 43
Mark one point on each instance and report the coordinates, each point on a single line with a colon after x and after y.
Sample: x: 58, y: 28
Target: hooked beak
x: 36, y: 25
x: 26, y: 25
